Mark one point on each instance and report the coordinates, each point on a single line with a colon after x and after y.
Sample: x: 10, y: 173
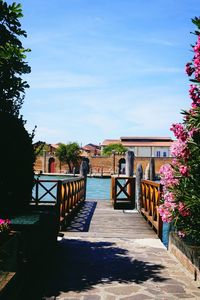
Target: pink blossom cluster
x: 167, y: 209
x: 180, y: 150
x: 6, y: 221
x: 189, y: 69
x: 193, y: 131
x: 167, y: 176
x: 183, y: 210
x: 181, y: 233
x: 195, y: 67
x: 184, y: 170
x: 4, y: 225
x: 165, y: 213
x: 179, y: 131
x: 197, y: 59
x: 194, y: 93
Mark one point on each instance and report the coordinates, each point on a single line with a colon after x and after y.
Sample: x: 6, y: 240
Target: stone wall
x: 110, y: 163
x: 100, y: 164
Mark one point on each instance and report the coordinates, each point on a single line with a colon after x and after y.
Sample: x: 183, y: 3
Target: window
x: 158, y: 153
x: 164, y: 154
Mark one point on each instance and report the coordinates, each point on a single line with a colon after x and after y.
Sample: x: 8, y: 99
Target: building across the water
x: 144, y: 146
x: 90, y: 149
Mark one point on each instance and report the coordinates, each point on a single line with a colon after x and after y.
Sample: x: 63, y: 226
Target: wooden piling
x: 138, y: 195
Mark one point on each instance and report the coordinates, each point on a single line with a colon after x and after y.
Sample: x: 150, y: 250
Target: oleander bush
x: 181, y: 180
x: 16, y: 166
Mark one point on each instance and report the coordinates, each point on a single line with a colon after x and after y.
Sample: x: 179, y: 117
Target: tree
x: 181, y: 179
x: 107, y: 150
x: 17, y: 153
x: 69, y: 154
x: 12, y: 59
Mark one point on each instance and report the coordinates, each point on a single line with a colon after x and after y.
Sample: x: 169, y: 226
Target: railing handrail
x: 66, y: 195
x: 150, y: 199
x: 153, y: 183
x: 63, y: 180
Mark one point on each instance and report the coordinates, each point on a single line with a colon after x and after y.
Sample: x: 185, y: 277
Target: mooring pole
x: 129, y: 163
x: 83, y: 172
x: 129, y: 169
x: 152, y: 173
x: 138, y: 193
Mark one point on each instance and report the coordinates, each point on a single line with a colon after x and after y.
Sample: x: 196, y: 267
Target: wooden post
x: 152, y: 174
x: 139, y: 176
x: 129, y: 168
x: 83, y: 172
x: 44, y: 160
x: 129, y: 163
x: 113, y: 155
x: 74, y: 171
x: 146, y: 173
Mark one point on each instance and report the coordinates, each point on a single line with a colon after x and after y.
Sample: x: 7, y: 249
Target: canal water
x: 98, y: 188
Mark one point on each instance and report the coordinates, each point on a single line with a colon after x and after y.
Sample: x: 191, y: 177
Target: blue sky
x: 106, y: 68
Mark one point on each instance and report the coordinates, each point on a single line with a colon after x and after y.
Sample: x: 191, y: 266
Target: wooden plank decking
x: 109, y: 223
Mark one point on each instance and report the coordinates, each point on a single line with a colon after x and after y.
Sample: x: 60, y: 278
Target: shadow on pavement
x: 80, y: 265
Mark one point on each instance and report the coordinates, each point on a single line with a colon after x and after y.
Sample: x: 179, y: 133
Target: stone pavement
x: 109, y: 269
x: 114, y: 258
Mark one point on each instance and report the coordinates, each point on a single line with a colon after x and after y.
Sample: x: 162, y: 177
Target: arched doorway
x: 51, y: 165
x: 122, y: 166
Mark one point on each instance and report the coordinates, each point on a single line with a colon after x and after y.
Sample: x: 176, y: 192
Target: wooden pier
x: 105, y: 253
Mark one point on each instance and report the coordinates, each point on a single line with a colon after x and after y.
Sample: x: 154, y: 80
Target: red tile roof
x: 140, y: 141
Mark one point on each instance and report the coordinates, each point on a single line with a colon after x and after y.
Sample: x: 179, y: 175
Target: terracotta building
x: 90, y: 149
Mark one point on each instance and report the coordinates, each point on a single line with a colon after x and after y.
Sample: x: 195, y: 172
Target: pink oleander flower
x: 184, y: 170
x: 189, y: 69
x: 4, y: 225
x: 181, y: 233
x: 167, y: 176
x: 194, y: 93
x: 165, y: 213
x: 183, y: 210
x: 169, y: 196
x: 175, y: 162
x: 193, y: 131
x: 179, y: 131
x: 179, y: 149
x: 196, y: 60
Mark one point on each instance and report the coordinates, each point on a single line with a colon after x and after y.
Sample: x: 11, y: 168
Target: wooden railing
x: 63, y: 196
x: 150, y: 198
x: 123, y: 191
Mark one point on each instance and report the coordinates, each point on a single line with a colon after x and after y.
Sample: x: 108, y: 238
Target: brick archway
x: 51, y: 165
x: 122, y: 166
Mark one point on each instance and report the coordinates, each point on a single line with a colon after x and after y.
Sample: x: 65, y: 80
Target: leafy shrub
x: 16, y: 166
x: 181, y: 179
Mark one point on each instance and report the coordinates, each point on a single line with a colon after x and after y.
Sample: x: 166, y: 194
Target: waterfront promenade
x: 108, y: 254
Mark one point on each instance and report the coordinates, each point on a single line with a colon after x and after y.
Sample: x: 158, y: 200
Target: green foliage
x: 39, y: 147
x: 69, y: 154
x: 17, y: 161
x: 12, y: 59
x: 107, y: 150
x: 16, y: 151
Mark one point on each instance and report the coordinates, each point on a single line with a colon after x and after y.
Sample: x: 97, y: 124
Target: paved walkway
x: 116, y: 256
